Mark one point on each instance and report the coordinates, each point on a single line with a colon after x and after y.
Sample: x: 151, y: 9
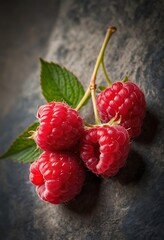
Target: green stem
x: 97, y: 118
x: 105, y: 73
x: 86, y: 95
x: 108, y: 35
x: 88, y: 124
x: 125, y: 79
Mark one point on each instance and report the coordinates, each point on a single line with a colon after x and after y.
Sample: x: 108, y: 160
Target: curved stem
x: 125, y: 79
x: 105, y: 73
x: 88, y: 124
x: 97, y: 119
x: 86, y: 95
x: 108, y: 35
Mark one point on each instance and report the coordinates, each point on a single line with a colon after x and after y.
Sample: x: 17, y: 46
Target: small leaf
x: 23, y: 149
x: 102, y: 88
x: 60, y: 85
x: 125, y: 79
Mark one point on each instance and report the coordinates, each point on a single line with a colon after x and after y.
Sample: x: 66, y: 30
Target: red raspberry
x: 60, y: 127
x: 128, y: 101
x: 104, y: 149
x: 58, y: 177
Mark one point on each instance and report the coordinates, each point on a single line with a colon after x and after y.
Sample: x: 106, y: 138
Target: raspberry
x: 128, y: 101
x: 104, y: 149
x: 58, y: 177
x: 60, y: 127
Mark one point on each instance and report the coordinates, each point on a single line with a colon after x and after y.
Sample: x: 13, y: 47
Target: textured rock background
x: 130, y: 206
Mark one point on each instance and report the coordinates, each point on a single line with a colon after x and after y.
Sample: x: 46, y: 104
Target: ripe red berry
x: 60, y: 127
x: 104, y: 149
x: 58, y: 177
x: 128, y: 101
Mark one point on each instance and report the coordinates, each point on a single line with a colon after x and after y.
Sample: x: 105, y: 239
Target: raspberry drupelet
x: 127, y: 101
x: 58, y: 177
x: 104, y: 150
x: 60, y: 127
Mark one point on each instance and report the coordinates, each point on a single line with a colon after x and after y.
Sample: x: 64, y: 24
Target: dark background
x: 129, y: 206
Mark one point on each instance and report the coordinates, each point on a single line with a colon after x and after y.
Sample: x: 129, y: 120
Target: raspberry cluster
x: 58, y: 173
x: 70, y: 145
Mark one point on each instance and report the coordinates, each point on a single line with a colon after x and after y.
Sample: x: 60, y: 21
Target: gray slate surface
x: 129, y: 206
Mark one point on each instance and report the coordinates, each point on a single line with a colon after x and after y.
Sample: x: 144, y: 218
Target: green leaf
x: 125, y: 79
x: 23, y: 149
x: 102, y: 88
x: 60, y: 85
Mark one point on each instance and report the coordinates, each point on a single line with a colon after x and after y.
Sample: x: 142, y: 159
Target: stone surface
x: 129, y: 206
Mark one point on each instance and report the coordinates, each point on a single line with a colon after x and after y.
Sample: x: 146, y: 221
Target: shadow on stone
x: 132, y: 171
x: 149, y: 129
x: 87, y: 200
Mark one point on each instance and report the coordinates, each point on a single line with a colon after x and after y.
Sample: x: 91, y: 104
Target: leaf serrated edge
x: 5, y: 155
x: 42, y: 61
x: 24, y: 162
